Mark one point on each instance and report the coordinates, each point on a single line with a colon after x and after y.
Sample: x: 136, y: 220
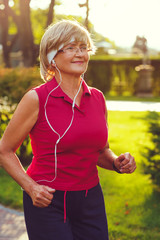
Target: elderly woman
x: 67, y: 123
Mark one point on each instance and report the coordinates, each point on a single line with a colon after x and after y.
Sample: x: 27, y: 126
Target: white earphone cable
x: 59, y: 136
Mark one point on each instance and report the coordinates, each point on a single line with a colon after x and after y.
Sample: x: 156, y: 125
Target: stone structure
x: 144, y: 80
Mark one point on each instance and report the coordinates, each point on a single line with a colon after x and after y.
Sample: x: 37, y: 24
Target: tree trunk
x: 50, y: 13
x: 26, y: 35
x: 86, y: 4
x: 4, y: 38
x: 87, y: 14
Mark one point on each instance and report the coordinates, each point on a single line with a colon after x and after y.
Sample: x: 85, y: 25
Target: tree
x: 50, y: 13
x: 22, y: 20
x: 7, y: 45
x: 86, y: 4
x: 26, y: 35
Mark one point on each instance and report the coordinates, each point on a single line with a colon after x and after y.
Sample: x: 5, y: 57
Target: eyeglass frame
x: 81, y: 49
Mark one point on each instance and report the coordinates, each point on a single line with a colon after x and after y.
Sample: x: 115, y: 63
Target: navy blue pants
x: 72, y: 215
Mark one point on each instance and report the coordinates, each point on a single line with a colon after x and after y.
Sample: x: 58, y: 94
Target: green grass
x: 132, y: 202
x: 10, y: 191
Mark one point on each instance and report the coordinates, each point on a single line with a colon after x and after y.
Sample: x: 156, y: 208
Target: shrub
x: 24, y: 152
x: 151, y: 154
x: 99, y: 75
x: 16, y: 81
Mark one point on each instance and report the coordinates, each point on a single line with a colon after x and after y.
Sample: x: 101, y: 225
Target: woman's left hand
x: 125, y: 163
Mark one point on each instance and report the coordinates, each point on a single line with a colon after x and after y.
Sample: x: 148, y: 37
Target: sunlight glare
x: 39, y: 4
x: 119, y: 20
x: 11, y: 3
x: 2, y: 7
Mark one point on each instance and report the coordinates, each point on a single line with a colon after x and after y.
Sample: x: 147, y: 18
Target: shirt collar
x: 86, y: 88
x: 58, y: 91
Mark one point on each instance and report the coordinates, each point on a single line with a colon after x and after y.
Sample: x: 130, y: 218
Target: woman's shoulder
x: 98, y: 96
x: 96, y: 92
x: 30, y: 97
x: 45, y: 87
x: 40, y: 87
x: 91, y: 90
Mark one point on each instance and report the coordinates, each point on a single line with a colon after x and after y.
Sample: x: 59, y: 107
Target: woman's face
x: 73, y: 59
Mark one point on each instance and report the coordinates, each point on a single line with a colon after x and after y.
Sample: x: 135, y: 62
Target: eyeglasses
x: 71, y: 50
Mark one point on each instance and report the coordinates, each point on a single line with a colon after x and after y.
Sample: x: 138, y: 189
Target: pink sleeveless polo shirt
x: 78, y: 151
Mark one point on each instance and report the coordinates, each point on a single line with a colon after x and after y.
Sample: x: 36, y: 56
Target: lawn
x: 132, y: 203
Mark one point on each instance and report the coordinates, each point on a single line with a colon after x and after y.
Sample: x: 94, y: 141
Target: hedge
x: 120, y: 75
x: 106, y: 75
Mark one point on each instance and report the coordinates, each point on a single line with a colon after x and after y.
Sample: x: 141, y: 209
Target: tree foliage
x: 24, y: 152
x: 151, y: 164
x: 24, y: 79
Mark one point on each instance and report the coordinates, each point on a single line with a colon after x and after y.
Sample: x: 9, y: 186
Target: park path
x: 12, y: 226
x: 133, y: 106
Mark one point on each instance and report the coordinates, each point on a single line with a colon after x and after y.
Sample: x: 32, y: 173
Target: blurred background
x: 126, y: 67
x: 125, y: 32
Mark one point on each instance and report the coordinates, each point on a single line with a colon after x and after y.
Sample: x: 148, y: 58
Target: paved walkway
x: 133, y: 106
x: 12, y: 226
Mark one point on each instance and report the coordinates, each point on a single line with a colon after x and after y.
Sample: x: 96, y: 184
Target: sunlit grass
x: 10, y: 191
x: 132, y: 205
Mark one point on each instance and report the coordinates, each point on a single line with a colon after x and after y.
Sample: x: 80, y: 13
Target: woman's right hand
x: 41, y: 195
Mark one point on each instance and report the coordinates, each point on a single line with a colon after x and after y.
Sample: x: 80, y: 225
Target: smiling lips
x: 78, y: 62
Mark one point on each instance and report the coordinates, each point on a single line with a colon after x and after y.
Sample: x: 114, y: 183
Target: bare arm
x: 20, y: 125
x: 106, y: 158
x: 124, y: 163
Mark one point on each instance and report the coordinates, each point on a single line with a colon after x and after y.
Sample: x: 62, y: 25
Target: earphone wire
x: 59, y: 136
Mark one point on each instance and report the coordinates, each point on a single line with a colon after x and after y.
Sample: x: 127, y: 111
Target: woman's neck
x: 70, y: 86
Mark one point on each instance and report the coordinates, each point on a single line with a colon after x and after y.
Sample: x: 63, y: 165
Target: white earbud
x: 53, y: 62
